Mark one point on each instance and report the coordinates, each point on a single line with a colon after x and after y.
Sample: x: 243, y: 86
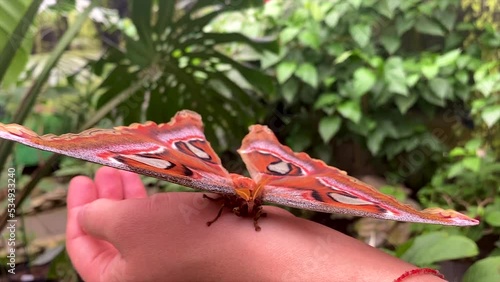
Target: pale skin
x: 116, y: 232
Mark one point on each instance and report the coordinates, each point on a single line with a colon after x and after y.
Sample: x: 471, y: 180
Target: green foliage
x: 434, y: 247
x: 377, y: 72
x: 358, y: 62
x: 184, y: 66
x: 15, y: 37
x: 380, y: 73
x: 470, y: 173
x: 485, y: 270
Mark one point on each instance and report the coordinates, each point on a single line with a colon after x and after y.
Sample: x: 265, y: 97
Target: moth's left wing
x: 297, y: 180
x: 176, y: 151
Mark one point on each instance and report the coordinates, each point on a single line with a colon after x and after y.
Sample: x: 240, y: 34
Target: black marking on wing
x: 317, y: 196
x: 187, y: 171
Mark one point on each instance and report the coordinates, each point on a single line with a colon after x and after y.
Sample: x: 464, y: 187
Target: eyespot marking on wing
x: 350, y: 200
x: 154, y: 162
x: 197, y: 151
x: 280, y: 167
x: 190, y: 149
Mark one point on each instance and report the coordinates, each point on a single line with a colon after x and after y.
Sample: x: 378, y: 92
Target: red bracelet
x: 419, y: 271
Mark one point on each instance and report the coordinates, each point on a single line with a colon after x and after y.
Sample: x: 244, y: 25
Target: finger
x: 132, y: 185
x: 101, y: 219
x: 84, y: 250
x: 109, y: 184
x: 81, y: 192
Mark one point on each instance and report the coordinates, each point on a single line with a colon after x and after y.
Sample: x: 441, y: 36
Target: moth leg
x: 258, y: 213
x: 218, y: 214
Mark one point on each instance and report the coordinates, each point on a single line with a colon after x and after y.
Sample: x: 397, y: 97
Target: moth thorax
x: 244, y: 187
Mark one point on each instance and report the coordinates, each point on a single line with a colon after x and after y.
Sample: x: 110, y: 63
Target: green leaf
x: 361, y: 33
x: 259, y: 44
x: 289, y: 90
x: 364, y: 79
x: 404, y: 103
x: 351, y: 110
x: 140, y: 13
x: 447, y: 19
x: 485, y: 270
x: 462, y: 76
x: 288, y: 34
x: 403, y: 24
x: 492, y: 218
x: 285, y: 70
x: 448, y: 58
x: 355, y: 3
x: 299, y: 141
x: 491, y: 114
x: 387, y: 7
x: 167, y: 10
x: 439, y: 246
x: 395, y: 76
x: 332, y: 18
x: 328, y: 127
x: 390, y: 41
x: 473, y: 144
x: 441, y: 87
x: 308, y: 73
x: 16, y: 37
x: 326, y: 99
x: 487, y: 84
x: 253, y: 75
x: 457, y: 152
x: 342, y: 57
x: 427, y: 26
x: 268, y: 59
x: 454, y: 170
x: 412, y: 79
x: 374, y: 141
x: 472, y: 163
x: 41, y: 79
x: 430, y: 70
x: 310, y: 38
x: 431, y: 98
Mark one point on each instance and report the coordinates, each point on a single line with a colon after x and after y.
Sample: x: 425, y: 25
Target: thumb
x: 100, y: 219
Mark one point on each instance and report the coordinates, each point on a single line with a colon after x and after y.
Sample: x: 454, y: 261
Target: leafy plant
x: 406, y: 81
x: 184, y: 66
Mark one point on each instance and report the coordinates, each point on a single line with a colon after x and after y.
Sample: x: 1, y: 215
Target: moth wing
x: 177, y: 151
x: 297, y: 180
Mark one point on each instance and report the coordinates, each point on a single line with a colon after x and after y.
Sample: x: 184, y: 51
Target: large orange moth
x: 178, y: 152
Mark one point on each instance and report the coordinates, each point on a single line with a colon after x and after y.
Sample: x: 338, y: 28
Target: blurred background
x: 403, y: 95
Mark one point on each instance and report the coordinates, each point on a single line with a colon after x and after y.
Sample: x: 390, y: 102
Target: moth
x: 178, y: 152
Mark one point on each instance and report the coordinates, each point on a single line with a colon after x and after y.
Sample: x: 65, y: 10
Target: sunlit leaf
x: 439, y: 246
x: 491, y: 115
x: 485, y: 270
x: 328, y: 127
x: 361, y: 33
x: 285, y: 70
x: 364, y: 79
x: 351, y: 110
x: 427, y: 26
x: 308, y: 73
x: 441, y: 87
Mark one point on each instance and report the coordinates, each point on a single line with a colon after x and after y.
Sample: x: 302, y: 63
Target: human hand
x: 116, y: 233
